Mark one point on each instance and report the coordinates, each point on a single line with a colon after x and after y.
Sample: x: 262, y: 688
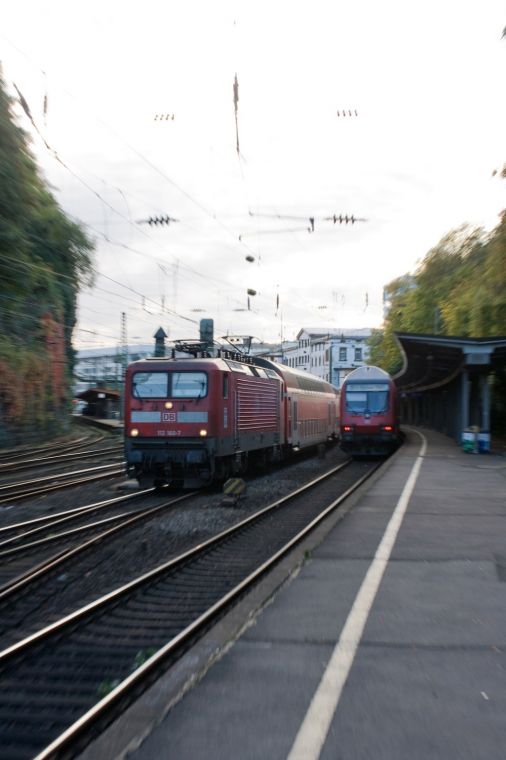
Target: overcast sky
x: 426, y: 80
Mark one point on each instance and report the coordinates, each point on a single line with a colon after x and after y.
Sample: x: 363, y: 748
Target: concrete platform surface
x: 426, y: 677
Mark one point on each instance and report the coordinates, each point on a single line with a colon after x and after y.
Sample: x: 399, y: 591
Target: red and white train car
x: 189, y: 421
x: 369, y: 414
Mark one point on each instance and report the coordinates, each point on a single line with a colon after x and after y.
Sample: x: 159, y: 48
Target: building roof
x: 334, y: 332
x: 92, y: 394
x: 96, y: 353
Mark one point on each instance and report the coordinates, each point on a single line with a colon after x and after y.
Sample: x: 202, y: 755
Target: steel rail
x: 30, y: 464
x: 23, y: 451
x: 6, y: 487
x: 107, y: 471
x: 51, y: 563
x: 98, y: 607
x: 59, y: 625
x: 49, y: 521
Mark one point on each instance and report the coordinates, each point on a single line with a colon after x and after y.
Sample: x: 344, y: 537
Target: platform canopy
x: 431, y: 361
x: 93, y: 394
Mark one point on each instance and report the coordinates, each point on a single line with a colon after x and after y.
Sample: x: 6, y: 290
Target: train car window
x: 225, y: 385
x: 188, y: 384
x: 367, y: 397
x: 378, y: 401
x: 150, y: 384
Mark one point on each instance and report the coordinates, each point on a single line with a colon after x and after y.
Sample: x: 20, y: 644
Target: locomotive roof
x: 368, y: 373
x: 160, y: 362
x: 294, y: 378
x: 297, y: 378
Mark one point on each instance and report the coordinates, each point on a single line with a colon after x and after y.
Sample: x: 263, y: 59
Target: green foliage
x: 384, y: 351
x: 459, y: 289
x: 44, y: 259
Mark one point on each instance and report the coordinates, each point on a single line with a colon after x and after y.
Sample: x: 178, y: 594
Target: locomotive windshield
x: 367, y: 398
x: 188, y: 384
x: 169, y: 384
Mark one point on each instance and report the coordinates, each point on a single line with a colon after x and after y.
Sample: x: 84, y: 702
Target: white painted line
x: 313, y: 731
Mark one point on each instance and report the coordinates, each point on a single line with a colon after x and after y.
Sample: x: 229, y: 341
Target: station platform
x: 388, y: 640
x: 113, y: 425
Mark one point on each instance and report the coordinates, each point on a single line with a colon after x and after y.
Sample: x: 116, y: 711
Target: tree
x: 44, y: 258
x: 458, y: 289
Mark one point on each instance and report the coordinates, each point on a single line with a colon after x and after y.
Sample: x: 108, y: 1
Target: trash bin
x: 470, y: 440
x: 484, y: 442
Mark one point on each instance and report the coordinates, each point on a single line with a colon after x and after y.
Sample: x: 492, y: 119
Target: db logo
x: 169, y: 416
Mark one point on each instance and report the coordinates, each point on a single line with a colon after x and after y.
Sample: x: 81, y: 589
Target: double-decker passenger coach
x: 369, y: 417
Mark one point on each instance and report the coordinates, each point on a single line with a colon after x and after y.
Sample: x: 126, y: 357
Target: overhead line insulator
x: 158, y: 220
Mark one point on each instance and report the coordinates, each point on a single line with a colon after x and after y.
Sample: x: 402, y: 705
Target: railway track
x: 10, y: 492
x: 73, y: 677
x: 50, y: 448
x: 21, y: 541
x: 26, y: 530
x: 32, y: 463
x: 20, y: 572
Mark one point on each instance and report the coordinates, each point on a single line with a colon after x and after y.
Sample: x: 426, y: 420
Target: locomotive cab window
x: 367, y: 397
x: 150, y: 384
x: 188, y: 384
x: 169, y: 385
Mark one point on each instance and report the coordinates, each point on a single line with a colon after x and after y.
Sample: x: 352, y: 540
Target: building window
x: 358, y: 354
x: 342, y: 354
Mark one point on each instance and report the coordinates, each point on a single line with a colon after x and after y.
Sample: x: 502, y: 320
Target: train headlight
x: 168, y: 404
x: 387, y: 428
x: 203, y: 433
x: 134, y: 432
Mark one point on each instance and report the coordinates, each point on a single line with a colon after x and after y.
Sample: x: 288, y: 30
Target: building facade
x: 329, y: 354
x: 104, y: 366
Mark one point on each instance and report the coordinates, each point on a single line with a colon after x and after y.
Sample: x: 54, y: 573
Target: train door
x: 226, y: 402
x: 295, y: 425
x: 288, y: 418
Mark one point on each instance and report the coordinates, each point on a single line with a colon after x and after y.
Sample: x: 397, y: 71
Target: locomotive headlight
x: 134, y: 432
x: 169, y: 404
x: 203, y: 433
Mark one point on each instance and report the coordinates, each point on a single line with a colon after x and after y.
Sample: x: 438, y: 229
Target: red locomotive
x: 369, y: 416
x: 190, y: 421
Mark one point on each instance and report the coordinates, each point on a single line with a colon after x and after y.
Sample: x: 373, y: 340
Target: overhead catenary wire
x: 159, y: 171
x: 20, y: 265
x: 92, y: 190
x: 207, y: 278
x: 36, y: 319
x: 335, y: 218
x: 136, y: 152
x: 153, y: 166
